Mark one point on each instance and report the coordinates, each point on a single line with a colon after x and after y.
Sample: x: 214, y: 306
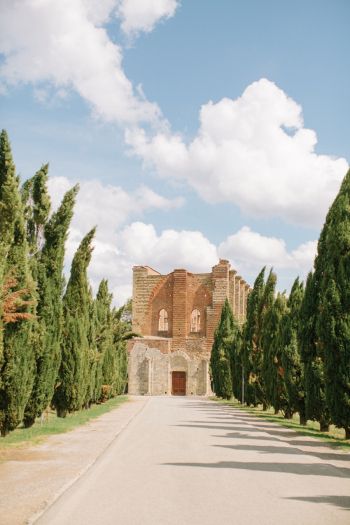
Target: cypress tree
x: 263, y: 297
x: 220, y: 361
x: 122, y: 366
x: 315, y: 397
x: 272, y: 369
x: 37, y: 202
x: 9, y: 207
x: 50, y: 283
x: 266, y: 303
x: 41, y: 202
x: 107, y: 369
x: 92, y: 354
x: 236, y: 360
x: 249, y: 343
x: 71, y: 392
x: 333, y: 324
x: 17, y: 344
x: 293, y: 371
x: 122, y: 332
x: 237, y: 370
x: 94, y: 391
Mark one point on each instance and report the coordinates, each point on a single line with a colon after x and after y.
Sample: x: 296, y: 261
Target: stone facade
x: 176, y: 315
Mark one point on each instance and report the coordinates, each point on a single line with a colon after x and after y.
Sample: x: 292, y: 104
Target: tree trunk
x: 28, y: 421
x: 276, y: 411
x: 264, y: 407
x: 4, y: 431
x: 61, y: 412
x: 347, y: 432
x: 324, y: 426
x: 302, y: 415
x: 303, y: 420
x: 288, y: 414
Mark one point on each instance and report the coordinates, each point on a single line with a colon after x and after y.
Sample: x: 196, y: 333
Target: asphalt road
x: 188, y: 461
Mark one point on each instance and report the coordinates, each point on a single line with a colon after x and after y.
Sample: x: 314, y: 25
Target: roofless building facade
x: 176, y: 315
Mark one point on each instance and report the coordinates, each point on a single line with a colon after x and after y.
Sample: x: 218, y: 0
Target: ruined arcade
x: 176, y: 315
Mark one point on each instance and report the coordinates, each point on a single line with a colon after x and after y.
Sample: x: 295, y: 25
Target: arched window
x: 163, y: 321
x: 195, y: 321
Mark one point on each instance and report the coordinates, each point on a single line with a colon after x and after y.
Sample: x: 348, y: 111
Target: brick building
x: 177, y: 314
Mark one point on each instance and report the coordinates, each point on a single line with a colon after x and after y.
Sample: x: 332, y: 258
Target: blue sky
x: 110, y: 93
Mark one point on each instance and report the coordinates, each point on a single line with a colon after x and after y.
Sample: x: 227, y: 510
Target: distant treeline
x: 293, y: 353
x: 59, y: 346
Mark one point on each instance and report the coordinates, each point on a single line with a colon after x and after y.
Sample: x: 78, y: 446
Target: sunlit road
x: 188, y: 461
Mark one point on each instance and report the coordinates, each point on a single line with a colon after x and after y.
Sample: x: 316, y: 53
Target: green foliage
x: 272, y: 367
x: 41, y: 199
x: 292, y: 369
x: 75, y: 370
x: 236, y: 360
x: 333, y: 323
x: 122, y: 332
x: 17, y: 338
x: 10, y: 204
x: 249, y: 343
x: 259, y: 302
x: 126, y: 314
x: 50, y: 282
x: 37, y: 202
x: 106, y: 370
x: 312, y: 356
x: 36, y: 325
x: 220, y: 359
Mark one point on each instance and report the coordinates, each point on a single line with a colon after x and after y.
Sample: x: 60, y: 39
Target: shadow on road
x: 288, y: 450
x: 241, y: 435
x: 338, y: 501
x: 249, y: 427
x: 302, y: 469
x: 221, y: 427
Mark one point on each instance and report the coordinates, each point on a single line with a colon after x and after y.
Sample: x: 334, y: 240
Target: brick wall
x: 179, y: 293
x: 153, y: 358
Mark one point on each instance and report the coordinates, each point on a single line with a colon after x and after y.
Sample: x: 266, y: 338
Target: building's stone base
x: 151, y: 364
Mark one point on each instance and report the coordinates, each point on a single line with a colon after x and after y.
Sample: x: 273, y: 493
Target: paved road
x: 188, y: 461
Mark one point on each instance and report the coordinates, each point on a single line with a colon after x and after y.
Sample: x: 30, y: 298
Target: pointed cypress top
x: 7, y: 167
x: 41, y: 197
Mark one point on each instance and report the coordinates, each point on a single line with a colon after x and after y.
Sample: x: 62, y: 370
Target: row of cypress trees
x: 59, y: 346
x: 293, y: 353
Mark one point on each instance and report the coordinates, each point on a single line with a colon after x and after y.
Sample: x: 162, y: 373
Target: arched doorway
x: 178, y: 383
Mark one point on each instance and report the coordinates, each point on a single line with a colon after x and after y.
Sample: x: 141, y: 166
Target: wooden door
x: 179, y: 383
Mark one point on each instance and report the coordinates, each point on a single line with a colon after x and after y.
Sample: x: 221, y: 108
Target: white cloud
x: 64, y: 44
x: 140, y: 244
x: 119, y: 244
x: 171, y: 249
x: 253, y: 152
x: 143, y: 15
x: 249, y: 251
x: 109, y: 208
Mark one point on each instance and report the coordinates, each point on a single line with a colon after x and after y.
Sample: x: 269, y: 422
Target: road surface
x: 190, y: 461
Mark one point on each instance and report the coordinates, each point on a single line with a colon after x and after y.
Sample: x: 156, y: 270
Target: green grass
x: 55, y: 425
x: 335, y: 437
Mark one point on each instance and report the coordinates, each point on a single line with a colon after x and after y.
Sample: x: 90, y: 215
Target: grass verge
x: 56, y: 425
x: 335, y: 437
